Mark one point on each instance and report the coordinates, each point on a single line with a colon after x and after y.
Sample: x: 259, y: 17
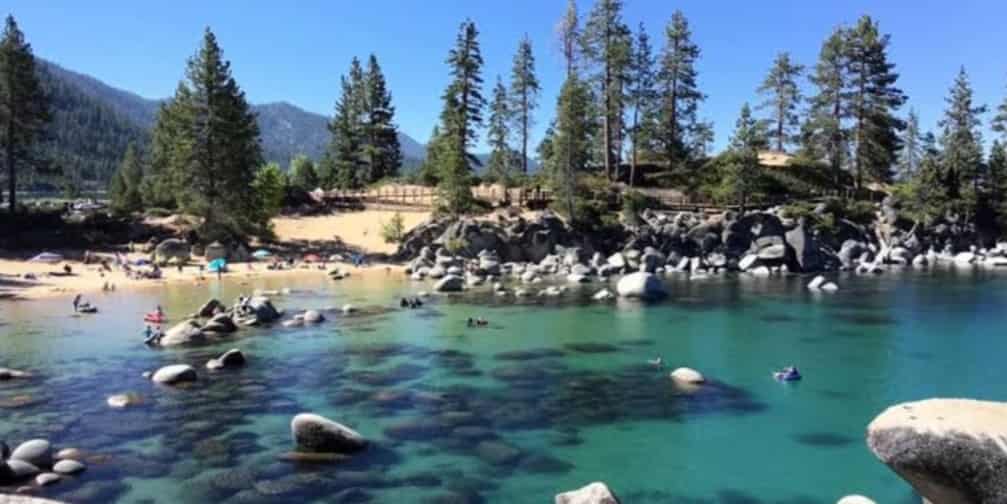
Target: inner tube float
x: 154, y: 317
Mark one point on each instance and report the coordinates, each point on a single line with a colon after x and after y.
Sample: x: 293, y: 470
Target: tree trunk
x: 524, y: 130
x: 11, y: 172
x: 633, y: 140
x: 779, y: 127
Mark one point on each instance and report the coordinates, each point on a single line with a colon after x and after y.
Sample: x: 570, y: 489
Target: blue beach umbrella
x: 217, y: 265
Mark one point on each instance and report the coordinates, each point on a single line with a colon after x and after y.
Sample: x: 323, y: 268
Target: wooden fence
x: 427, y: 197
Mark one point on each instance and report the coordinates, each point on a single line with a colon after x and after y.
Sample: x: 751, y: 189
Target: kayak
x: 154, y: 317
x: 87, y: 309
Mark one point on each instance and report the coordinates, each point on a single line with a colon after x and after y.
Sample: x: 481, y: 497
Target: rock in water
x: 21, y: 470
x: 46, y: 479
x: 230, y: 359
x: 450, y: 283
x: 177, y: 373
x: 120, y: 401
x: 37, y: 452
x: 603, y: 295
x: 949, y: 450
x: 595, y: 493
x: 640, y: 285
x: 687, y: 376
x: 68, y: 467
x: 210, y: 308
x: 313, y: 317
x: 830, y: 287
x: 182, y: 334
x: 816, y: 283
x: 13, y: 374
x: 855, y: 499
x: 315, y: 433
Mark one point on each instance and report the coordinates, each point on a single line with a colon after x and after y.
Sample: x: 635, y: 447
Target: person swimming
x: 76, y: 302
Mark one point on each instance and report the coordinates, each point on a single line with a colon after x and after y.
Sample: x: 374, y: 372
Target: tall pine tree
x: 680, y: 94
x: 606, y: 47
x: 24, y: 108
x: 824, y: 134
x: 382, y: 151
x: 498, y: 134
x: 345, y: 144
x: 524, y: 90
x: 961, y: 143
x: 873, y: 101
x: 214, y: 150
x: 742, y: 174
x: 642, y: 96
x: 568, y: 33
x: 783, y: 97
x: 462, y: 117
x: 302, y: 173
x: 571, y: 142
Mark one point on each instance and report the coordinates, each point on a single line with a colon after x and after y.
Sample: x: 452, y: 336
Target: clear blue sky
x: 295, y: 51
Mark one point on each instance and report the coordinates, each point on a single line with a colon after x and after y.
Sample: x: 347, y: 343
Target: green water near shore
x: 553, y: 395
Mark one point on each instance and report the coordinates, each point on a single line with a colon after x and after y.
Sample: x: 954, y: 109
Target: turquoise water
x: 551, y: 396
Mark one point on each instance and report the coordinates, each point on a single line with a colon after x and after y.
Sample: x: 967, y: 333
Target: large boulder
x: 949, y: 450
x: 594, y: 493
x: 37, y: 452
x: 805, y: 254
x: 176, y: 373
x: 316, y: 434
x: 230, y: 359
x: 258, y: 310
x: 640, y: 286
x: 687, y: 376
x: 171, y: 249
x: 210, y: 308
x: 183, y: 333
x: 221, y: 323
x: 450, y: 283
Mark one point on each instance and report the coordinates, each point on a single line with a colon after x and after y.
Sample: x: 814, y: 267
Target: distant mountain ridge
x: 286, y: 130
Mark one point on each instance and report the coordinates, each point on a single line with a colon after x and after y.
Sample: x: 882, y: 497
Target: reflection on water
x: 553, y: 394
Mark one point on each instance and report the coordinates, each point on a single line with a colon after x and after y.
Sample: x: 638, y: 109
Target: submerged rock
x: 949, y: 450
x: 120, y: 401
x: 594, y: 493
x: 37, y: 452
x: 315, y: 433
x: 69, y: 467
x: 313, y: 317
x: 176, y: 373
x: 687, y: 376
x: 641, y: 286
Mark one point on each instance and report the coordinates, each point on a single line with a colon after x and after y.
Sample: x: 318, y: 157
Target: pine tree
x: 568, y: 32
x: 998, y: 183
x: 912, y: 148
x: 873, y: 100
x: 498, y: 134
x: 606, y: 49
x: 783, y: 97
x: 524, y: 90
x: 24, y: 108
x: 328, y: 175
x: 346, y: 141
x: 462, y: 117
x: 571, y: 142
x: 302, y: 173
x: 961, y: 142
x: 680, y: 94
x: 124, y: 191
x: 642, y: 96
x: 168, y: 154
x: 213, y: 150
x: 824, y: 133
x: 429, y: 173
x: 382, y: 151
x: 742, y: 175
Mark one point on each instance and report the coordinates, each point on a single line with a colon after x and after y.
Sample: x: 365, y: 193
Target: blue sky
x: 295, y: 51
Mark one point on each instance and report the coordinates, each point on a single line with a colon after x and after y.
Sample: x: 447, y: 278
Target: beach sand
x: 357, y: 229
x: 361, y: 230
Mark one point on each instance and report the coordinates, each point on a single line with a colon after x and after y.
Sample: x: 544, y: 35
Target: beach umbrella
x: 217, y: 265
x: 312, y: 258
x: 261, y: 254
x: 47, y: 257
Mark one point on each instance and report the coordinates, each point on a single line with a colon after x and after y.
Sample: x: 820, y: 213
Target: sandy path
x: 357, y: 229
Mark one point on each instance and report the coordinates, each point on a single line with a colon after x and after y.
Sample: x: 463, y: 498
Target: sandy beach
x: 359, y: 230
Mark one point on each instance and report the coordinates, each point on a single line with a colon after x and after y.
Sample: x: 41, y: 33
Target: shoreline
x: 87, y: 279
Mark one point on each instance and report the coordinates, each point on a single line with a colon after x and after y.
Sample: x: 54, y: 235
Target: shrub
x: 393, y: 230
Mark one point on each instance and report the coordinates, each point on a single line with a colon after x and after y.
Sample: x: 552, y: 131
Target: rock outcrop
x: 640, y: 285
x: 169, y: 250
x: 949, y: 450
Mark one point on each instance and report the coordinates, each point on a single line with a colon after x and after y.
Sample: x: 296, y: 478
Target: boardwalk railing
x: 427, y: 197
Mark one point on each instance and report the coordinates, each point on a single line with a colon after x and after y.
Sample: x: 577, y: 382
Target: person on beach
x: 201, y: 267
x: 76, y: 302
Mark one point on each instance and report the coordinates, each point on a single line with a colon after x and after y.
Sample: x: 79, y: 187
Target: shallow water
x: 553, y: 395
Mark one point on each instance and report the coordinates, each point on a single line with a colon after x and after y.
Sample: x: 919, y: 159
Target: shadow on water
x: 824, y: 439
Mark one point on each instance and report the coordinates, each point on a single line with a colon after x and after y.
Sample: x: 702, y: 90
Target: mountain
x: 114, y: 117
